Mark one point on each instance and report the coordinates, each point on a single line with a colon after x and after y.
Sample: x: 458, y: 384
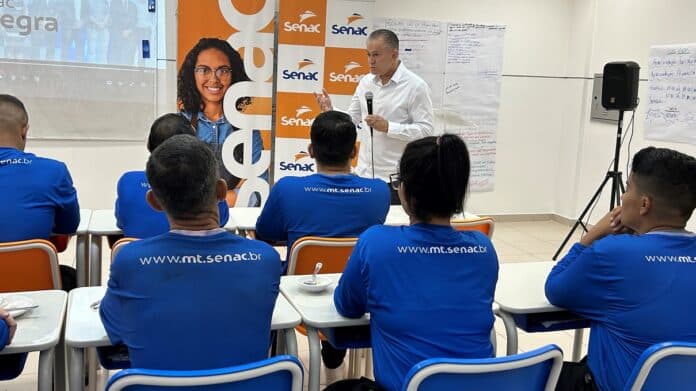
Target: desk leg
x: 77, y: 365
x: 314, y: 358
x: 577, y: 344
x: 510, y: 331
x: 92, y: 368
x: 81, y: 251
x: 59, y: 366
x: 46, y: 358
x: 95, y: 260
x: 290, y: 342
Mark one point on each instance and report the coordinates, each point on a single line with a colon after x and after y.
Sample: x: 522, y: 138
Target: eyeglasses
x: 206, y: 72
x: 395, y: 181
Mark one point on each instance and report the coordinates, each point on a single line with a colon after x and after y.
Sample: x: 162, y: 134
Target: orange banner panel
x: 295, y: 113
x: 202, y: 19
x: 343, y: 69
x: 302, y: 22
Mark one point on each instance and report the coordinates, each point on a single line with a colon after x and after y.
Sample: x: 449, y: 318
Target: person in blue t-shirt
x: 428, y: 288
x: 197, y: 296
x: 133, y: 214
x: 37, y: 196
x: 8, y: 326
x: 331, y: 203
x: 11, y: 365
x: 633, y: 273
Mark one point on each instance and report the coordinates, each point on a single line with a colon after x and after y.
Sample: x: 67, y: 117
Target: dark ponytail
x: 435, y: 174
x: 455, y: 168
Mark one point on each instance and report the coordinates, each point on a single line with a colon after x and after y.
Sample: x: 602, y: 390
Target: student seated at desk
x: 11, y: 365
x: 632, y: 274
x: 37, y: 196
x: 8, y: 326
x: 133, y: 214
x: 428, y: 288
x: 197, y: 296
x: 331, y: 203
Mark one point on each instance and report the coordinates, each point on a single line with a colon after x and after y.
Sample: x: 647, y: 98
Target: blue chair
x: 276, y: 373
x: 665, y: 366
x: 535, y: 370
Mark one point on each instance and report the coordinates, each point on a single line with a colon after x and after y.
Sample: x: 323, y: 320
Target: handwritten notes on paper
x: 462, y: 64
x: 671, y: 113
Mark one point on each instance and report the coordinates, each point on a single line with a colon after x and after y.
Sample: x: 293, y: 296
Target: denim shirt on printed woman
x: 214, y: 134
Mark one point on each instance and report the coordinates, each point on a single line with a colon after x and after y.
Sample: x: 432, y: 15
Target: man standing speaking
x: 392, y: 106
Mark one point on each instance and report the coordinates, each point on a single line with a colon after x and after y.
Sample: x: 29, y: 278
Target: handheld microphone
x: 368, y: 99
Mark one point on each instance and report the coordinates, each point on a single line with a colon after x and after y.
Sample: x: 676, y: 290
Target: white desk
x: 82, y: 247
x: 40, y: 330
x: 245, y: 218
x: 103, y: 223
x: 520, y: 290
x: 84, y: 329
x: 317, y: 311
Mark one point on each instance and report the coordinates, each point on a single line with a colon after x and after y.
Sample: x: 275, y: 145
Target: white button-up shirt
x: 405, y: 102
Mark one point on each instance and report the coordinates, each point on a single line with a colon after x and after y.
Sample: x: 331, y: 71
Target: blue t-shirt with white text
x: 37, y: 197
x: 323, y: 205
x: 636, y: 290
x: 136, y: 217
x: 183, y: 301
x: 4, y: 334
x: 429, y: 291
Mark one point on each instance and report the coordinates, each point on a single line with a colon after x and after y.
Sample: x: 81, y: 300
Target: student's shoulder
x: 289, y: 183
x: 372, y: 182
x: 236, y: 242
x: 475, y: 235
x: 621, y: 242
x: 258, y: 245
x: 381, y: 232
x: 128, y: 252
x: 376, y: 186
x: 131, y: 177
x: 142, y: 245
x: 44, y: 163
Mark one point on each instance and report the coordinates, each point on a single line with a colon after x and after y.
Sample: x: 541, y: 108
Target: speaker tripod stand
x: 617, y: 189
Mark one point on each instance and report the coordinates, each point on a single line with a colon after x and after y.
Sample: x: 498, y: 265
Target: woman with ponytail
x: 428, y: 288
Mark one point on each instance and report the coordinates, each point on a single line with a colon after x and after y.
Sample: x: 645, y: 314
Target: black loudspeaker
x: 620, y: 85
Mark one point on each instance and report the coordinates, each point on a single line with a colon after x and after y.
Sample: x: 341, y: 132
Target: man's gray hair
x: 387, y: 35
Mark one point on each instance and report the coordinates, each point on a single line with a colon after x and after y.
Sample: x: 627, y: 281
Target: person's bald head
x: 13, y: 122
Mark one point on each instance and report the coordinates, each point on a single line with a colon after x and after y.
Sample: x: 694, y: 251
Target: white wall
x: 625, y: 30
x: 550, y: 156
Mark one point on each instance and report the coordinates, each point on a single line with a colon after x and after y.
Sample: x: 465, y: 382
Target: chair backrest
x: 275, y: 373
x: 119, y: 245
x: 531, y: 371
x: 665, y: 366
x: 483, y: 224
x: 29, y: 265
x: 332, y: 252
